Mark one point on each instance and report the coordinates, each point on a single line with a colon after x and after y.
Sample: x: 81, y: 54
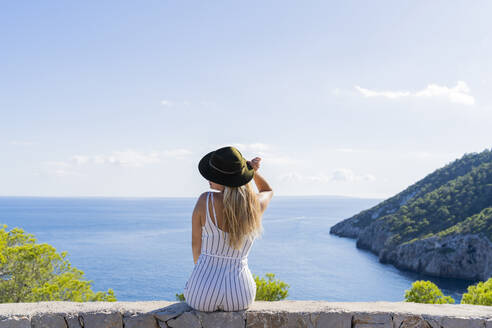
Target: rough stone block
x: 448, y: 322
x: 102, y: 320
x: 280, y: 319
x: 411, y: 321
x: 222, y: 319
x: 171, y: 311
x: 298, y: 320
x: 73, y: 321
x: 433, y: 321
x: 265, y: 319
x: 48, y: 321
x: 369, y: 320
x: 488, y: 323
x: 186, y: 320
x: 15, y: 322
x: 144, y: 320
x: 301, y: 320
x: 333, y: 320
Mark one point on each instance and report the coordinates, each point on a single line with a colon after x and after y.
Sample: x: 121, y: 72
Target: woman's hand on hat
x: 255, y: 163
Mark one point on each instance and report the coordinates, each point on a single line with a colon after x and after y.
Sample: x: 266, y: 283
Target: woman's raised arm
x: 265, y: 191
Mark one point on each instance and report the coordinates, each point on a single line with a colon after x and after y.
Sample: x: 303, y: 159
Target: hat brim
x: 230, y: 180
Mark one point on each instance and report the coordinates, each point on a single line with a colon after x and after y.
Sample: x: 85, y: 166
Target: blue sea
x: 141, y: 247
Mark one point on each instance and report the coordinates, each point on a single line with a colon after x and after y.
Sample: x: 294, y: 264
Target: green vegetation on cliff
x: 32, y: 272
x: 454, y: 199
x: 480, y: 222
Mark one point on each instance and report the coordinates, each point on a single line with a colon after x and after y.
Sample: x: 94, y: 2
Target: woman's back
x: 221, y: 279
x: 215, y: 241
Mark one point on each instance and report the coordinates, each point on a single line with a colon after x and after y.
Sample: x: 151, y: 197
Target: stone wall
x: 261, y: 314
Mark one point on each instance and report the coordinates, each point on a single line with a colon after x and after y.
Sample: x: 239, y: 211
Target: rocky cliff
x: 440, y: 226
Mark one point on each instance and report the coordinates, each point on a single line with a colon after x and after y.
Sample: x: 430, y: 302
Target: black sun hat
x: 226, y: 166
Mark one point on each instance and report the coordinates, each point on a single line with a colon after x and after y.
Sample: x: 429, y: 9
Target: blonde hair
x: 242, y: 214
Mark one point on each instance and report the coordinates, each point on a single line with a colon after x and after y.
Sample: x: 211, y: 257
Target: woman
x: 224, y: 226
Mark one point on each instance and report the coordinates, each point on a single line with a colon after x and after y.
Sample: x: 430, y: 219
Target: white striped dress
x: 221, y: 279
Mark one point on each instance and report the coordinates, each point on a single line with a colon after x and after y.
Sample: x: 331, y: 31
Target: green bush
x: 479, y: 294
x: 31, y: 272
x: 271, y: 289
x: 426, y: 292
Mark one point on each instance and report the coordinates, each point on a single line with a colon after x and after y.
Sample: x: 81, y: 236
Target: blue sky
x: 356, y: 98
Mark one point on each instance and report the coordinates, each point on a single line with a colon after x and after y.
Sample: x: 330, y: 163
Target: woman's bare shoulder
x: 202, y: 199
x: 203, y: 196
x: 200, y: 207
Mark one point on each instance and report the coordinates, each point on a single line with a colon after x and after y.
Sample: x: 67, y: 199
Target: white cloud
x: 126, y: 158
x: 343, y: 175
x: 386, y: 94
x: 459, y: 94
x: 166, y: 103
x: 347, y: 175
x: 132, y: 158
x: 129, y: 158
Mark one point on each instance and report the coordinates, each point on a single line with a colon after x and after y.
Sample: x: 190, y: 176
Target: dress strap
x: 206, y: 211
x: 213, y: 209
x: 208, y: 218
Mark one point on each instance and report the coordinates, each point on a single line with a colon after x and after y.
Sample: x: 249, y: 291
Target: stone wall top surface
x: 451, y: 310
